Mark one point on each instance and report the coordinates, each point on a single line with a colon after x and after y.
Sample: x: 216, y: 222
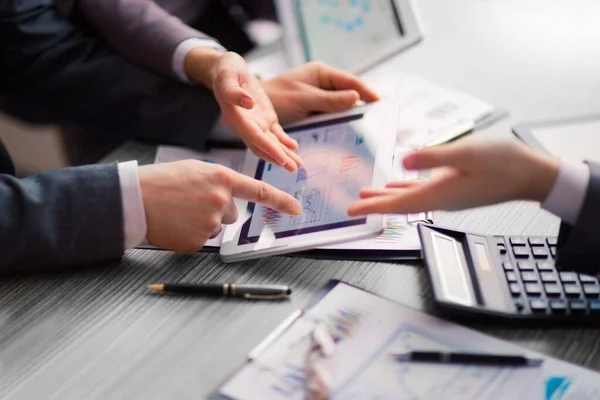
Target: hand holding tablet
x: 186, y: 202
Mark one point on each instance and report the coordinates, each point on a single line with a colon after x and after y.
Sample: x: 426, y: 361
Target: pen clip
x: 279, y: 296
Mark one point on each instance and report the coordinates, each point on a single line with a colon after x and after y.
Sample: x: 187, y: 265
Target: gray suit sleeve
x: 579, y: 245
x: 139, y: 29
x: 63, y: 217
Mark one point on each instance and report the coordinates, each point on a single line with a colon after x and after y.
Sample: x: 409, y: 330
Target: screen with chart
x: 337, y: 164
x: 345, y: 32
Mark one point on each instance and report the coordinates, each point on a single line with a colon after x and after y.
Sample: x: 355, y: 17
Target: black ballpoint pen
x: 499, y: 360
x: 252, y: 292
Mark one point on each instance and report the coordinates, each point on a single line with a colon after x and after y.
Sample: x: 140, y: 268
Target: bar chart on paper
x: 288, y: 381
x: 394, y: 231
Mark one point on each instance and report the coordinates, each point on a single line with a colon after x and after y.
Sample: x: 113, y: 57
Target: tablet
x: 342, y: 153
x: 575, y: 139
x: 353, y: 35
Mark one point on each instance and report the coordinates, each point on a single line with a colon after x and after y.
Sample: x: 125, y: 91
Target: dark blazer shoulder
x: 6, y: 164
x: 579, y: 245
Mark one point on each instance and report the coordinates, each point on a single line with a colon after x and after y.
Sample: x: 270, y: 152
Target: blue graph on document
x: 329, y: 16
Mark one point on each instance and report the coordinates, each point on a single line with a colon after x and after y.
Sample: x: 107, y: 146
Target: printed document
x: 367, y: 329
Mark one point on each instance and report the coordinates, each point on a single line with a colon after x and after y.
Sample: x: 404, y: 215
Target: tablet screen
x: 346, y: 32
x: 338, y: 162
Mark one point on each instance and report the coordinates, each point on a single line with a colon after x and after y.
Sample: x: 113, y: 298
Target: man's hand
x: 245, y: 106
x: 472, y: 173
x: 255, y: 109
x: 315, y: 87
x: 186, y: 202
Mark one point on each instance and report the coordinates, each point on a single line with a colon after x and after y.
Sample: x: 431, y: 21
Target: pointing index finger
x: 256, y: 191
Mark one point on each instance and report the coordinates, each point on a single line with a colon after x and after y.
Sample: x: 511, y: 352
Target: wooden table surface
x: 93, y: 332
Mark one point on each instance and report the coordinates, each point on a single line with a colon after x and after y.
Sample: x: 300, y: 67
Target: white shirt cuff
x: 134, y: 214
x: 566, y: 197
x: 182, y: 50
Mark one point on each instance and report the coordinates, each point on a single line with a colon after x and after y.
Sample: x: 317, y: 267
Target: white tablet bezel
x: 383, y: 113
x: 295, y: 53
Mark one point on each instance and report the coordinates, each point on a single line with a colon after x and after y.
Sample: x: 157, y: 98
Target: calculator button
x: 545, y: 266
x: 521, y: 252
x: 538, y: 305
x: 594, y: 306
x: 539, y: 252
x: 568, y: 276
x: 587, y: 279
x: 536, y: 241
x: 549, y: 276
x: 552, y: 290
x: 577, y: 306
x: 558, y: 306
x: 553, y: 251
x: 528, y: 276
x: 508, y: 266
x: 515, y: 289
x: 511, y: 277
x: 533, y: 289
x: 501, y: 248
x: 571, y: 290
x: 526, y: 266
x: 552, y: 241
x: 591, y: 290
x: 517, y: 241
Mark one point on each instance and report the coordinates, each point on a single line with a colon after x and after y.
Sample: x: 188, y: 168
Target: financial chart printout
x: 344, y: 32
x: 337, y: 164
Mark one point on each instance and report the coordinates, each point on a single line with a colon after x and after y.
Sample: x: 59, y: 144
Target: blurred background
x: 36, y: 148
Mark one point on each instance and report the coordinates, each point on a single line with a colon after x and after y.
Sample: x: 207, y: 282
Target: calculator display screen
x: 452, y: 270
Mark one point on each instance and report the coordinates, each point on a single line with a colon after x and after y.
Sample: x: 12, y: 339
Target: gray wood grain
x: 94, y: 332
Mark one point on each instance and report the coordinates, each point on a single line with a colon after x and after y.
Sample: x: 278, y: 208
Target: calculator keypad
x: 537, y: 287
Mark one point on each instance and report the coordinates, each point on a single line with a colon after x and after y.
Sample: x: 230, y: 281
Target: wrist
x: 542, y: 175
x: 200, y: 63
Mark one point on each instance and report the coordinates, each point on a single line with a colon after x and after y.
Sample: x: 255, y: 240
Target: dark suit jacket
x: 579, y: 245
x: 60, y: 66
x: 148, y: 31
x: 63, y: 217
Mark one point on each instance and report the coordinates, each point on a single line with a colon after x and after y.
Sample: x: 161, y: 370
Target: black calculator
x: 505, y: 278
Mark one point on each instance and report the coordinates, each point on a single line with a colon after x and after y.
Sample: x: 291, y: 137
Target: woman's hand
x: 469, y: 174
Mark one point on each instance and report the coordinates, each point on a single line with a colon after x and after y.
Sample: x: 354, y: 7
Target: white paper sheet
x: 428, y: 113
x: 369, y: 328
x: 231, y: 158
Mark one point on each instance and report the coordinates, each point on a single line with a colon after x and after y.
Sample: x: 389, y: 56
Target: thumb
x: 229, y: 81
x: 319, y: 100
